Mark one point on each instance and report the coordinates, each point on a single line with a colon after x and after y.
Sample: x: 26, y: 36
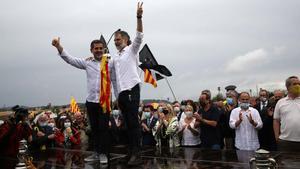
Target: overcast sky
x: 204, y: 43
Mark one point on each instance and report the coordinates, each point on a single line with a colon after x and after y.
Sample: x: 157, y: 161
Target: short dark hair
x: 96, y: 41
x: 264, y: 90
x: 207, y: 93
x: 124, y: 35
x: 148, y: 106
x: 288, y: 81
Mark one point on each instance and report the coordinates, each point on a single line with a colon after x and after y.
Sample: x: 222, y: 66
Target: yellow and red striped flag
x: 148, y: 78
x: 105, y: 94
x: 73, y: 106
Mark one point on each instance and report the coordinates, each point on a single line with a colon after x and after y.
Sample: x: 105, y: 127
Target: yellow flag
x: 105, y: 94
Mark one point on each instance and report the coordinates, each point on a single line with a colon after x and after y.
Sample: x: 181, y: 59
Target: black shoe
x: 134, y: 160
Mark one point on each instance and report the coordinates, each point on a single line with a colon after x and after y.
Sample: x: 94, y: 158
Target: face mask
x: 165, y: 111
x: 295, y: 90
x: 188, y: 113
x: 177, y: 109
x: 155, y: 116
x: 115, y: 113
x: 51, y: 125
x: 43, y: 124
x: 229, y: 101
x: 245, y: 106
x: 67, y: 124
x: 182, y: 107
x: 160, y: 109
x: 140, y: 109
x: 147, y: 115
x: 263, y: 99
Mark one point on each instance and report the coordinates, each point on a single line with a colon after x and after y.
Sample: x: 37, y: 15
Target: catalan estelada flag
x: 148, y: 78
x: 105, y: 94
x: 73, y: 106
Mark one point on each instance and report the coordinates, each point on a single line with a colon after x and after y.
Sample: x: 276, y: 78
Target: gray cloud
x: 197, y: 40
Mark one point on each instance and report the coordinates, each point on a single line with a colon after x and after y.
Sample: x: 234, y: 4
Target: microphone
x: 112, y: 36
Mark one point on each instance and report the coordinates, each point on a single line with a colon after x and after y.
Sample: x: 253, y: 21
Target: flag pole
x: 170, y: 88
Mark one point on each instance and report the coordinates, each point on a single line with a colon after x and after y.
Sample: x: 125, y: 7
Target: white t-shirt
x: 287, y: 111
x: 188, y: 138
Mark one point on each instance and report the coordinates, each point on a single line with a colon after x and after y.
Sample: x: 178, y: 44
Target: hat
x: 230, y: 87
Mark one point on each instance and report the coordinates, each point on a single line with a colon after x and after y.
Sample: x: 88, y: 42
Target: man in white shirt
x: 127, y: 82
x: 286, y: 122
x: 246, y: 121
x: 97, y: 119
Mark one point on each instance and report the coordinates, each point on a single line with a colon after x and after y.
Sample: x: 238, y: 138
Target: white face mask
x: 115, y: 113
x: 244, y: 106
x: 160, y: 109
x: 51, y: 125
x: 177, y: 109
x: 188, y: 113
x: 263, y: 99
x: 67, y: 124
x: 182, y: 107
x: 147, y: 115
x: 43, y: 124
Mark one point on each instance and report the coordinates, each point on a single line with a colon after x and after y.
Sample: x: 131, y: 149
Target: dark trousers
x: 129, y: 101
x: 99, y: 126
x: 289, y: 146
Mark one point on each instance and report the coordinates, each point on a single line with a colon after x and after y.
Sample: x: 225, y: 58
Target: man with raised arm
x: 125, y: 65
x: 97, y: 118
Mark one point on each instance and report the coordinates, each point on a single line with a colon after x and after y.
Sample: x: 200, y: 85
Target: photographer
x: 13, y: 131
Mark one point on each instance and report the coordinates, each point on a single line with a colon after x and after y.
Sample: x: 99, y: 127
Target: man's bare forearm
x: 139, y: 25
x: 276, y: 128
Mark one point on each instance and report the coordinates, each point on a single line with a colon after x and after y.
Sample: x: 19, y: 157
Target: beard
x: 98, y: 55
x: 120, y: 46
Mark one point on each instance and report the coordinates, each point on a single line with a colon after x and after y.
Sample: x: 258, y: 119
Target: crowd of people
x: 232, y: 122
x: 237, y: 122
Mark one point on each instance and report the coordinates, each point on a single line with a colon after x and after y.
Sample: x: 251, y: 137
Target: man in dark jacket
x: 148, y: 123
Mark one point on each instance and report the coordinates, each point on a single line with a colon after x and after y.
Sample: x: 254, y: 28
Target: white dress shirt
x: 245, y: 134
x: 126, y: 66
x: 92, y: 68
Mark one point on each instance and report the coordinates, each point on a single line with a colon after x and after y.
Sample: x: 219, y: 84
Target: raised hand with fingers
x: 241, y: 116
x: 251, y: 119
x: 139, y: 15
x: 139, y: 12
x: 239, y: 121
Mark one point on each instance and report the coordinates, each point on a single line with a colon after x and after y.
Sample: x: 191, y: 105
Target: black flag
x: 104, y: 43
x: 149, y: 62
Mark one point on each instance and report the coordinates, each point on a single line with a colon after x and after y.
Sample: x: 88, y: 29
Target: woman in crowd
x: 67, y: 136
x: 190, y: 134
x: 165, y: 130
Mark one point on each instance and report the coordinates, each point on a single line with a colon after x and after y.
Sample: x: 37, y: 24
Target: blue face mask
x: 229, y: 101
